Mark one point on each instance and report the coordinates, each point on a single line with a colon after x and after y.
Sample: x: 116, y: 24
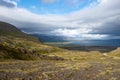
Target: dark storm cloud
x: 109, y: 26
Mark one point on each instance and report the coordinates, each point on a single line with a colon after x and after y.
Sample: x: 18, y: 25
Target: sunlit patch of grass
x: 17, y: 48
x: 115, y: 53
x: 77, y: 55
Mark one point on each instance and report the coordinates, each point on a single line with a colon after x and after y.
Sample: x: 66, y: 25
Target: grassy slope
x: 78, y: 66
x: 72, y: 65
x: 17, y: 48
x: 15, y: 44
x: 115, y: 53
x: 10, y: 30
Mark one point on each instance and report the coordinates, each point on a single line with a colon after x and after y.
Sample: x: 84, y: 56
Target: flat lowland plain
x: 76, y: 66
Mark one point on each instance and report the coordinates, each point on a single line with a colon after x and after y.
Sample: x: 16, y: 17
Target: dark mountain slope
x: 14, y: 44
x: 7, y: 29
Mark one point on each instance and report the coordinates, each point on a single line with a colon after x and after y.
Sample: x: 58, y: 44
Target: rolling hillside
x: 7, y: 29
x: 23, y: 57
x: 15, y: 44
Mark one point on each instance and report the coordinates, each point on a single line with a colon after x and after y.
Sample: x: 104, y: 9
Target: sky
x: 73, y: 19
x: 54, y: 6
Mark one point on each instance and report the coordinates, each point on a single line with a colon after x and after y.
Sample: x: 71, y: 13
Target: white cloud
x: 22, y: 14
x: 79, y: 34
x: 71, y: 32
x: 93, y: 19
x: 93, y: 37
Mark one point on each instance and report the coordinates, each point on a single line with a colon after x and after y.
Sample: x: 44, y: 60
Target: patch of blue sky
x: 55, y: 7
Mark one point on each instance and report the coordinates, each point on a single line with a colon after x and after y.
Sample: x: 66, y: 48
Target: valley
x: 24, y: 57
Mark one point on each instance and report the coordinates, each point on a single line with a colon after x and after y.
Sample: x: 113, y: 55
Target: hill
x: 51, y: 63
x: 14, y: 44
x: 7, y: 29
x: 115, y: 52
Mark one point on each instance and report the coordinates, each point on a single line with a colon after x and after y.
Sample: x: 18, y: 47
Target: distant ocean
x: 114, y: 42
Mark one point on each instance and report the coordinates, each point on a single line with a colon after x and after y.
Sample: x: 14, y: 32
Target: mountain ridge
x: 7, y: 29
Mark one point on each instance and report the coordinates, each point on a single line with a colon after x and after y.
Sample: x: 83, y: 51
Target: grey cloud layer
x: 8, y: 3
x: 96, y: 21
